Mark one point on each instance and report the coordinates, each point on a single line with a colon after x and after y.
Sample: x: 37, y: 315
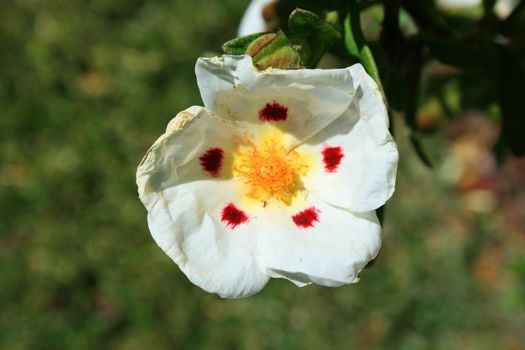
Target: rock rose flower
x: 278, y: 176
x: 252, y: 21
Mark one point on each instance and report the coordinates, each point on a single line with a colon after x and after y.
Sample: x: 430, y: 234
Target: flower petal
x: 179, y: 156
x: 233, y: 88
x: 357, y: 156
x: 186, y: 223
x: 187, y: 218
x: 320, y: 244
x: 252, y: 21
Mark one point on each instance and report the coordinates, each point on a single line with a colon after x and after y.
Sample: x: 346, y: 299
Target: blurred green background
x: 85, y: 89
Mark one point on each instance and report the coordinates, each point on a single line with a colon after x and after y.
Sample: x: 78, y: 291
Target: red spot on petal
x: 306, y: 218
x: 211, y: 161
x: 332, y: 158
x: 273, y: 112
x: 233, y: 216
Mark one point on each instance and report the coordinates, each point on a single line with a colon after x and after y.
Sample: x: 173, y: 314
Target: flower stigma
x: 270, y: 170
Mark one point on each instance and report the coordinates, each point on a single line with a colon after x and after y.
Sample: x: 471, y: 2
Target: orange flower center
x: 270, y: 171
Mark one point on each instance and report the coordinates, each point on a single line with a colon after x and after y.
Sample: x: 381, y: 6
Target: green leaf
x: 355, y: 42
x: 415, y: 140
x: 239, y: 46
x: 311, y: 36
x: 284, y: 8
x: 277, y: 53
x: 309, y: 23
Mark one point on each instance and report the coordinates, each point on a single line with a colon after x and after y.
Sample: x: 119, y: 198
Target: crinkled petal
x: 233, y: 88
x: 176, y: 157
x: 331, y: 252
x: 185, y: 207
x: 362, y: 175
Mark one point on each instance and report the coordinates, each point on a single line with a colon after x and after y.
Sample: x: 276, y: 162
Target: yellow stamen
x: 270, y: 171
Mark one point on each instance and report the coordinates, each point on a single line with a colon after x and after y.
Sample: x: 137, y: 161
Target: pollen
x: 270, y: 171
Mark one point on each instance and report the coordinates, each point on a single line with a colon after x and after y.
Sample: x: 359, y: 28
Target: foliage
x: 486, y: 49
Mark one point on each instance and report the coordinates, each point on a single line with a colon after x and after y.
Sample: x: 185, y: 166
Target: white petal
x: 365, y: 177
x: 330, y: 253
x: 185, y: 208
x: 174, y: 157
x: 504, y: 8
x: 450, y: 4
x: 185, y: 223
x: 252, y: 21
x: 232, y: 87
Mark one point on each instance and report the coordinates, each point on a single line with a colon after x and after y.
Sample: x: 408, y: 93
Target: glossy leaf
x: 355, y: 42
x: 311, y: 36
x: 415, y: 140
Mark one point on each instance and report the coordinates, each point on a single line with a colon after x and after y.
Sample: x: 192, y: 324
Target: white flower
x: 458, y: 3
x: 502, y: 8
x: 278, y: 176
x: 252, y: 21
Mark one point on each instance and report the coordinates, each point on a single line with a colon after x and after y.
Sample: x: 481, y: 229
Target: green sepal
x: 238, y: 46
x: 308, y: 38
x: 277, y: 53
x: 259, y: 43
